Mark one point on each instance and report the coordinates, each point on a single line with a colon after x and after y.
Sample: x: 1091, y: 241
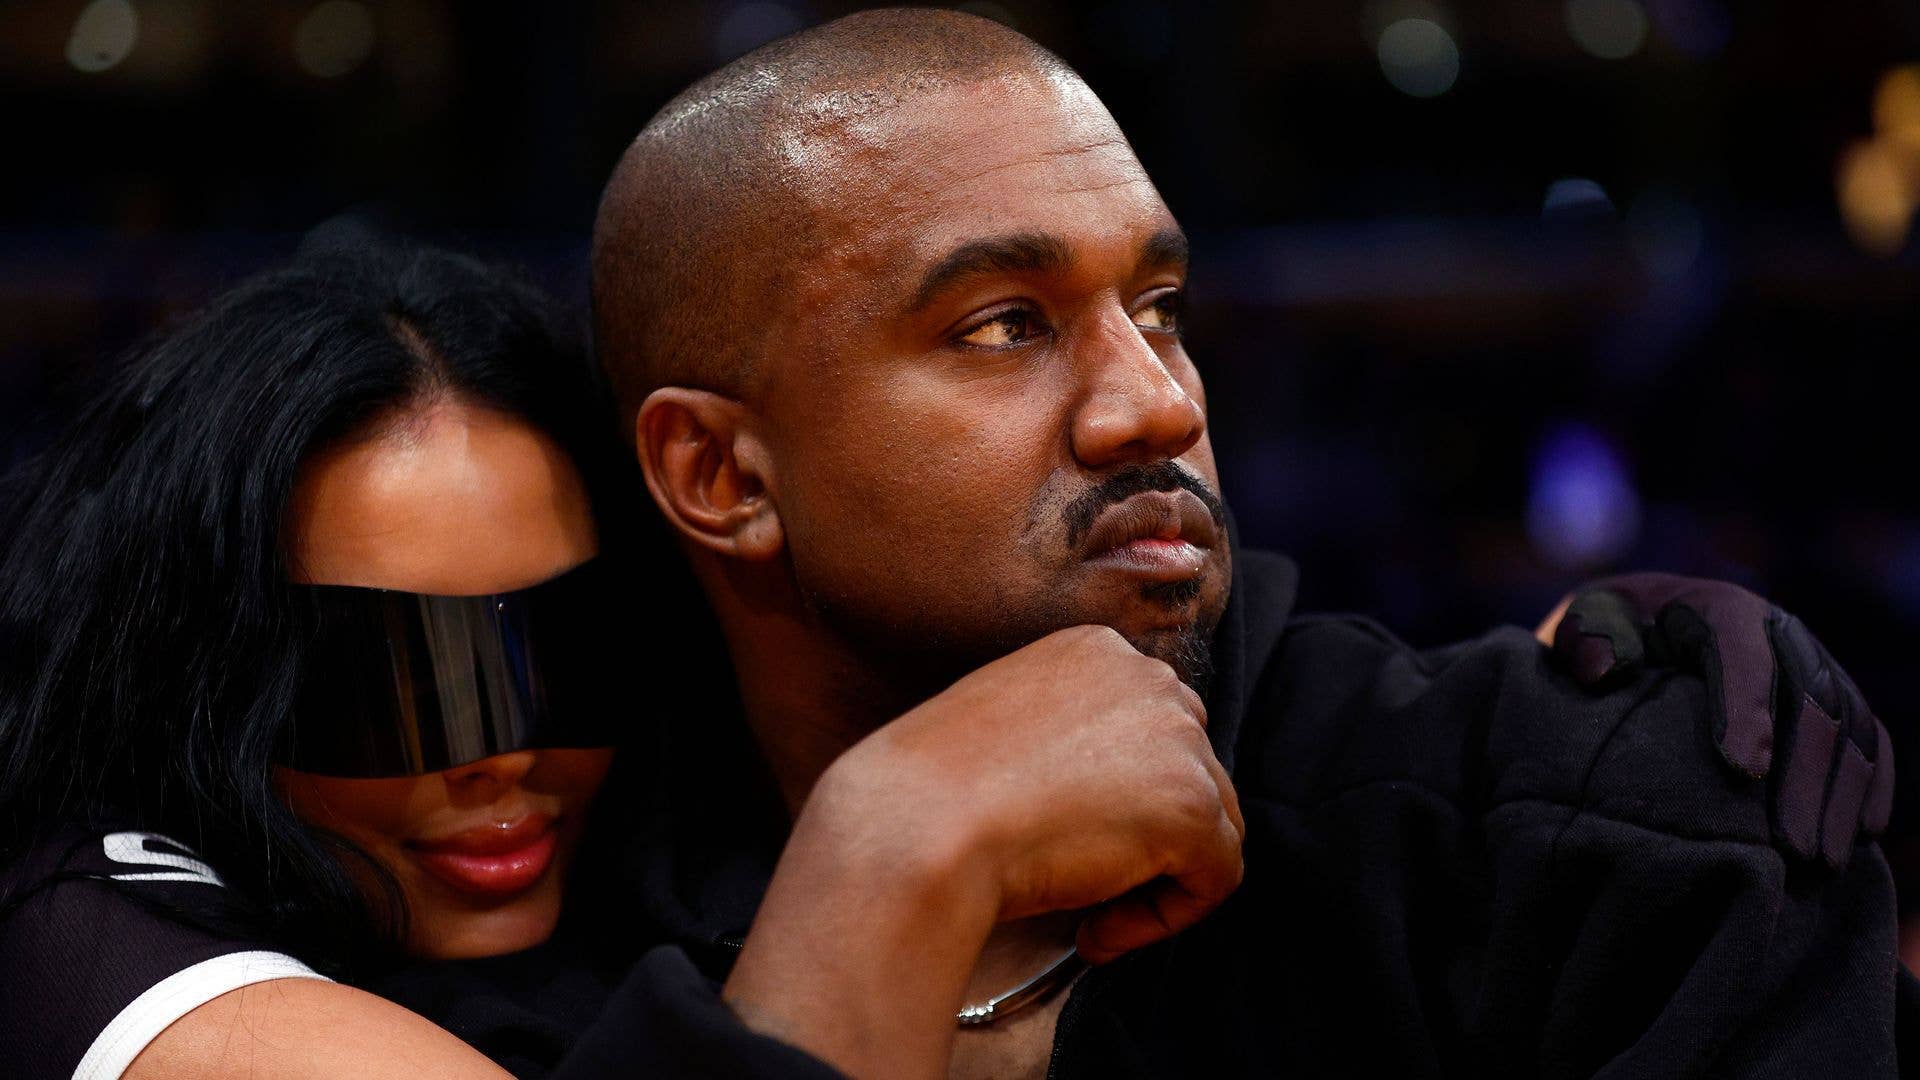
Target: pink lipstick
x: 492, y: 860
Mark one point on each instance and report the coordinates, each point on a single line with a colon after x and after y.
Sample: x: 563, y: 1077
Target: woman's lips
x: 492, y: 860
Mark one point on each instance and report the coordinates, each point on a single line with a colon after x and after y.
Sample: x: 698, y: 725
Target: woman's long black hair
x: 150, y: 644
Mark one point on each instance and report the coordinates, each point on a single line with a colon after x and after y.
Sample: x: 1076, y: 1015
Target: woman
x: 297, y: 678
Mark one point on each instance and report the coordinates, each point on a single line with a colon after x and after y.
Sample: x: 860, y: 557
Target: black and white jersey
x: 106, y: 938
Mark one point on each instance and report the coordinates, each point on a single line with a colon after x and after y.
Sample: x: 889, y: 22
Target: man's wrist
x: 863, y: 947
x: 875, y: 821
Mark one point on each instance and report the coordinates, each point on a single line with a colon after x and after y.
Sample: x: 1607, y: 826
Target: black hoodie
x: 1458, y: 863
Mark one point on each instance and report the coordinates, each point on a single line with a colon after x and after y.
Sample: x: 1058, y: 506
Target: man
x: 894, y: 314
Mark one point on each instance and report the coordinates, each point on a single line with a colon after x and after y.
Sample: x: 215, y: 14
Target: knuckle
x: 1083, y: 637
x: 1193, y: 799
x: 1229, y: 795
x: 1174, y: 721
x: 1158, y: 677
x: 1196, y: 705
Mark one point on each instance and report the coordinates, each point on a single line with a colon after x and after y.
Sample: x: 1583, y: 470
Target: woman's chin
x: 459, y: 932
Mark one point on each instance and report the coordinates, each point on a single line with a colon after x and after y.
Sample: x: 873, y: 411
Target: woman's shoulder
x: 108, y: 935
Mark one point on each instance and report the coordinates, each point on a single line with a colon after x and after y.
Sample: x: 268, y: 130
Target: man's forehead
x: 1022, y: 154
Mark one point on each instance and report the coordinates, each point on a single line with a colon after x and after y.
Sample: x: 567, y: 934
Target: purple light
x: 1698, y: 28
x: 1582, y: 509
x: 1901, y: 573
x: 1576, y: 198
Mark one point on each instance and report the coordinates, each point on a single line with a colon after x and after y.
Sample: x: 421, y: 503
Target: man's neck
x: 806, y: 695
x: 798, y: 719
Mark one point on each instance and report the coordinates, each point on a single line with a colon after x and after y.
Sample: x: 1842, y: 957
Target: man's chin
x: 1173, y: 621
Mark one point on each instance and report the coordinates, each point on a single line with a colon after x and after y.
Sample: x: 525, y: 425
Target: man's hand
x: 1778, y: 704
x: 1074, y: 773
x: 1062, y: 776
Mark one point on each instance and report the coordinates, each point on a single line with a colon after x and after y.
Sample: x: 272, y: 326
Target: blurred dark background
x: 1490, y: 297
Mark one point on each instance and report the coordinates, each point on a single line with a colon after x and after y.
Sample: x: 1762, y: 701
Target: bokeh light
x: 1608, y: 29
x: 1576, y: 198
x: 1419, y: 57
x: 1582, y: 509
x: 103, y: 35
x: 1896, y: 106
x: 1876, y: 192
x: 1695, y: 28
x: 333, y: 39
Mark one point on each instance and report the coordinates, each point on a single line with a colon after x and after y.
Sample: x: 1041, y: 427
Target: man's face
x: 983, y: 422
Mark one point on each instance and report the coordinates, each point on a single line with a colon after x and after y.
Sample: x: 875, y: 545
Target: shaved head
x: 705, y: 224
x: 895, y: 313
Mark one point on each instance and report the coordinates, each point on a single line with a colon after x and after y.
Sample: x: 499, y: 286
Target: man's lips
x: 492, y: 860
x: 1163, y: 535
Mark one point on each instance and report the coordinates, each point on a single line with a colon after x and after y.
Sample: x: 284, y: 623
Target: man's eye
x: 1163, y: 313
x: 1006, y: 328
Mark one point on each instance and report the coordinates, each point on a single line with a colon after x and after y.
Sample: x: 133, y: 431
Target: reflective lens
x: 401, y: 683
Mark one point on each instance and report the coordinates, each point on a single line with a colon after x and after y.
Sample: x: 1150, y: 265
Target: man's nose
x: 1133, y: 408
x: 485, y: 779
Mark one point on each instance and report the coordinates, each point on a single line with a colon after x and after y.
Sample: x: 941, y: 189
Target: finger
x: 1132, y: 921
x: 1724, y: 633
x: 1801, y: 786
x: 1209, y: 872
x: 1545, y: 631
x: 1153, y: 912
x: 1809, y: 666
x: 1839, y: 825
x: 1878, y: 805
x: 1860, y: 782
x: 1598, y: 639
x: 1851, y: 780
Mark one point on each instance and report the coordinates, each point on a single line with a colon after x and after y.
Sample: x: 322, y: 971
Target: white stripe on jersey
x: 173, y: 997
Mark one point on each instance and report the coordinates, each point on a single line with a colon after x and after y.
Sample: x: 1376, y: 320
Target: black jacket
x: 1458, y: 863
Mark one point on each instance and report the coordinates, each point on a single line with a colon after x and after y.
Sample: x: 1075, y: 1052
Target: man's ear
x: 709, y: 471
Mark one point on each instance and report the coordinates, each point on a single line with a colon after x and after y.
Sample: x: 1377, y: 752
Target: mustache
x: 1131, y: 481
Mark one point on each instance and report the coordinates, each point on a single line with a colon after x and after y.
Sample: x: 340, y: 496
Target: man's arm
x: 1074, y: 773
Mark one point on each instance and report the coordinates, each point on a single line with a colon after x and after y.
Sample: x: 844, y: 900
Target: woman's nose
x: 493, y: 774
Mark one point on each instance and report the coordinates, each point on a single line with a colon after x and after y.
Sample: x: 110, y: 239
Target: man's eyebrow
x: 1166, y: 248
x: 1020, y: 253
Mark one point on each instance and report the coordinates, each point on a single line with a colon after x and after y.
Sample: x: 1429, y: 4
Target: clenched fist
x: 1070, y: 773
x: 1073, y: 773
